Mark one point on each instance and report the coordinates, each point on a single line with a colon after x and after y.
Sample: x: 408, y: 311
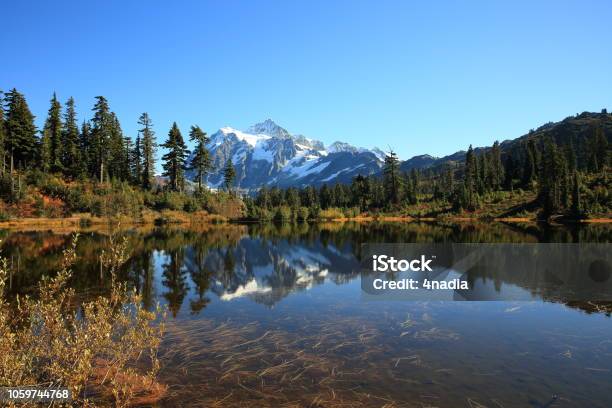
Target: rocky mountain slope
x: 267, y: 154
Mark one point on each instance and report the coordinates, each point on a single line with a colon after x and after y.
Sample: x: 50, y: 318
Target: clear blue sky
x: 421, y: 77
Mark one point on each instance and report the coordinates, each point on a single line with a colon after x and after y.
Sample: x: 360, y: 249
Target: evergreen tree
x: 44, y: 150
x: 339, y: 196
x: 469, y: 197
x: 118, y: 167
x: 84, y: 143
x: 276, y: 196
x: 2, y: 136
x: 510, y: 172
x: 101, y: 131
x: 552, y: 179
x: 497, y: 167
x: 201, y: 161
x: 292, y: 197
x: 174, y: 160
x: 229, y: 175
x: 485, y: 173
x: 263, y: 198
x: 136, y: 162
x: 361, y: 192
x: 392, y: 178
x: 51, y: 153
x: 325, y: 197
x: 21, y: 141
x: 449, y: 182
x: 148, y: 150
x: 415, y: 180
x: 409, y: 191
x: 600, y: 147
x: 576, y: 204
x: 570, y: 155
x: 308, y: 196
x: 71, y: 157
x: 128, y: 149
x: 531, y: 163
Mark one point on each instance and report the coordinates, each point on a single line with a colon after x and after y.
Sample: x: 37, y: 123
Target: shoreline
x: 85, y: 222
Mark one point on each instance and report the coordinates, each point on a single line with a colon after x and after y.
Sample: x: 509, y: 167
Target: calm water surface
x: 273, y: 316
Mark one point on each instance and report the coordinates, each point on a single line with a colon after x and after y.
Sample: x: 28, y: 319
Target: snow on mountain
x: 267, y: 154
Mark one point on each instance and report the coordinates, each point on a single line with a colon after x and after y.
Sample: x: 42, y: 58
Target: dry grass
x: 105, y: 351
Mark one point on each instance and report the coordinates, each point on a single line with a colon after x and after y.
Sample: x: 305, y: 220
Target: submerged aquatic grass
x: 335, y: 362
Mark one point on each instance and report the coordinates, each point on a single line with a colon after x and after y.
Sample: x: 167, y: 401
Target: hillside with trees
x: 93, y: 168
x: 558, y: 171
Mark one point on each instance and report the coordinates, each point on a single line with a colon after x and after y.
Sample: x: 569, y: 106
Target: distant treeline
x: 569, y: 179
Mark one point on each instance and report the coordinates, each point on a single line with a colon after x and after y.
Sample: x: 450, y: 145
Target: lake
x: 273, y: 315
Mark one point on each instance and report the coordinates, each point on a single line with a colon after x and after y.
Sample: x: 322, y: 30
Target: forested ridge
x: 560, y: 170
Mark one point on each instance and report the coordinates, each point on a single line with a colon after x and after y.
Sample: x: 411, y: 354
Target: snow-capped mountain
x: 267, y: 154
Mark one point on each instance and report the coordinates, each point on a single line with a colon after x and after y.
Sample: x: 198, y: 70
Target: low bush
x: 283, y: 214
x: 44, y: 342
x: 302, y: 214
x: 331, y: 213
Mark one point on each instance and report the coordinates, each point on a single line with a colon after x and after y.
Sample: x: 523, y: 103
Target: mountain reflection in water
x: 271, y: 315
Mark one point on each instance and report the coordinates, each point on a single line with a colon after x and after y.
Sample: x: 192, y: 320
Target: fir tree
x: 2, y: 135
x: 449, y: 182
x: 117, y: 159
x: 84, y: 144
x: 469, y: 198
x: 148, y: 150
x: 128, y: 149
x: 600, y: 146
x: 263, y: 198
x: 20, y: 139
x: 44, y: 150
x: 497, y: 167
x: 136, y: 162
x: 201, y: 162
x: 71, y: 158
x: 174, y: 160
x: 415, y: 180
x: 229, y: 175
x: 52, y: 138
x: 552, y: 179
x: 361, y: 192
x: 392, y: 178
x: 102, y: 128
x: 531, y: 163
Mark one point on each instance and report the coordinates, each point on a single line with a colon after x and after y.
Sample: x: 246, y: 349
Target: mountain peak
x: 338, y: 146
x: 267, y: 127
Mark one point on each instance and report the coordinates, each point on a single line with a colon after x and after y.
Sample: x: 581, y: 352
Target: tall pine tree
x: 21, y: 141
x: 229, y: 175
x: 101, y: 131
x: 117, y: 157
x: 53, y: 130
x: 174, y: 160
x: 2, y: 135
x: 201, y: 162
x: 71, y: 157
x: 392, y: 180
x: 148, y: 151
x: 136, y: 161
x: 85, y: 144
